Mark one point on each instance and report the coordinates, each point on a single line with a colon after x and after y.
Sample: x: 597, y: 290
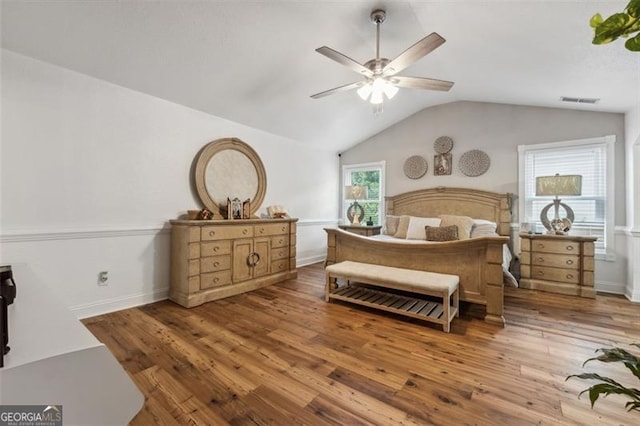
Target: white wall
x: 632, y: 149
x: 497, y: 129
x: 91, y: 173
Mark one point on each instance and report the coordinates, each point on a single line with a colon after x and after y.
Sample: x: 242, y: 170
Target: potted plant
x: 607, y: 386
x: 622, y: 24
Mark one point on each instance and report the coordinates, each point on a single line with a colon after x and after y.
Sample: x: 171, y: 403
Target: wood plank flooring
x: 282, y: 356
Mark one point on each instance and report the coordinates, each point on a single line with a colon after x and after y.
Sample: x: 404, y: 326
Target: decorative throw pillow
x: 417, y: 224
x: 464, y: 224
x: 403, y: 226
x: 391, y: 224
x: 441, y: 233
x: 483, y: 231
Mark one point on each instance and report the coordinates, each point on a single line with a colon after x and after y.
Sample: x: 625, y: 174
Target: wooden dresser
x: 558, y: 263
x: 212, y: 259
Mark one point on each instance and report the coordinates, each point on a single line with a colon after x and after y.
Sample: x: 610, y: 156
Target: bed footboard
x: 477, y: 261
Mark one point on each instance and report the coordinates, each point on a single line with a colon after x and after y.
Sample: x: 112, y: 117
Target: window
x: 370, y: 175
x: 593, y: 159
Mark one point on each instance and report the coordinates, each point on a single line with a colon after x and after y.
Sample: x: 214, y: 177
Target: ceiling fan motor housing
x: 377, y: 16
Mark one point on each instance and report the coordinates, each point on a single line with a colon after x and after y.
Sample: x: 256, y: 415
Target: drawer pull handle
x: 212, y: 233
x: 216, y: 279
x: 253, y: 259
x: 216, y: 248
x: 262, y: 230
x: 569, y: 276
x: 540, y: 245
x: 569, y: 248
x: 216, y: 264
x: 540, y: 272
x: 244, y: 232
x: 284, y: 228
x: 569, y: 262
x: 541, y: 259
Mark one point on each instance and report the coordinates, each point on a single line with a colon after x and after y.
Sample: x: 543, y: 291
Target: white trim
x: 20, y: 236
x: 371, y: 165
x: 79, y: 233
x: 116, y: 304
x: 311, y: 259
x: 609, y: 287
x: 318, y: 222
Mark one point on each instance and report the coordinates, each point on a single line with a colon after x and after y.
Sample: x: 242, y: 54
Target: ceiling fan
x: 381, y: 79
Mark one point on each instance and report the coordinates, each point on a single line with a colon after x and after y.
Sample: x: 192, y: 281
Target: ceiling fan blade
x: 412, y: 54
x: 344, y: 60
x: 421, y: 83
x: 338, y: 89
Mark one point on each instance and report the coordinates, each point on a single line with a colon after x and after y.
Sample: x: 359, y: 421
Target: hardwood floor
x: 282, y: 356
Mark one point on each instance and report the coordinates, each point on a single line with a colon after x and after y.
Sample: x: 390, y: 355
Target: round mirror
x: 229, y: 168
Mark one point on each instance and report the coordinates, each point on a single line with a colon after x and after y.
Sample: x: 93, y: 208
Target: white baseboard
x: 610, y: 287
x: 632, y: 296
x: 118, y: 304
x: 308, y: 260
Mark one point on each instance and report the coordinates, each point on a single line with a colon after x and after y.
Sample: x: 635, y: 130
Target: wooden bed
x: 477, y: 261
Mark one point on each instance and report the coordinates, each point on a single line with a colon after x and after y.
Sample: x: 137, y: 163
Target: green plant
x: 609, y: 386
x: 621, y: 24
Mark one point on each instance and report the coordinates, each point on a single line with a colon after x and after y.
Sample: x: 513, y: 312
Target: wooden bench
x: 442, y: 286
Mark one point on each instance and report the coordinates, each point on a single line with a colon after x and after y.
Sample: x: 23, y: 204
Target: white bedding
x: 509, y: 279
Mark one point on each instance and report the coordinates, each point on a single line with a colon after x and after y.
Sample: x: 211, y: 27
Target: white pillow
x: 483, y: 228
x: 416, y: 227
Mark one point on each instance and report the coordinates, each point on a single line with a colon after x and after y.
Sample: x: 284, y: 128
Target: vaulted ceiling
x: 254, y: 62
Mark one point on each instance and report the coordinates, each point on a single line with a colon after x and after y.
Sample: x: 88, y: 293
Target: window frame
x: 347, y: 169
x: 609, y: 144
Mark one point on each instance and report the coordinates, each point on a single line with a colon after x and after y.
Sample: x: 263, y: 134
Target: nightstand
x: 558, y: 263
x: 367, y: 231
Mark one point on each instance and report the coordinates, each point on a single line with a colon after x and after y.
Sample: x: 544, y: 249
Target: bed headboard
x: 474, y: 203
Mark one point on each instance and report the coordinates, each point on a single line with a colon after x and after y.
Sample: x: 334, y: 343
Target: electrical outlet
x: 103, y: 278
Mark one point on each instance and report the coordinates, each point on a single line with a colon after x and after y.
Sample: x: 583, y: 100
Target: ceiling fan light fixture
x: 390, y: 90
x: 376, y: 97
x: 365, y: 91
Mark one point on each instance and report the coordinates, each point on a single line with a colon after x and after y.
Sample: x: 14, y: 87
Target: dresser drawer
x: 565, y: 261
x: 560, y: 247
x: 215, y: 248
x: 226, y: 232
x: 272, y: 229
x: 555, y: 274
x: 280, y: 266
x: 215, y: 279
x: 280, y: 253
x: 215, y: 263
x: 279, y: 241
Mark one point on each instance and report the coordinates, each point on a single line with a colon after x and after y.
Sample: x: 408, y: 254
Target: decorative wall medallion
x: 443, y: 144
x: 474, y: 163
x: 415, y: 167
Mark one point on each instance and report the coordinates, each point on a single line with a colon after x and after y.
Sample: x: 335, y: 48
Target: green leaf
x: 633, y: 44
x: 596, y: 20
x: 633, y: 8
x: 611, y: 28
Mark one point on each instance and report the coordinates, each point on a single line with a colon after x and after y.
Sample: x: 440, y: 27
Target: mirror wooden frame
x: 202, y: 162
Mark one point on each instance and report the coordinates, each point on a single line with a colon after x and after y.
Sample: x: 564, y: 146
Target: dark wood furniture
x: 367, y: 231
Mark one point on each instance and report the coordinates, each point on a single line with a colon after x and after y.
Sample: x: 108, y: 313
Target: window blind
x: 590, y: 208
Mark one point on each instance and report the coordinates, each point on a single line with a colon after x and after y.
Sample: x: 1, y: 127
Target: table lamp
x: 355, y: 212
x: 558, y: 185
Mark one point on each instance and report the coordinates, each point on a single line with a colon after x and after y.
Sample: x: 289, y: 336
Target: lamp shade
x: 355, y: 192
x: 559, y: 185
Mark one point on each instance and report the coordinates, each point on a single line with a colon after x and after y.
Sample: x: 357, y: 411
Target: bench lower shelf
x: 411, y: 306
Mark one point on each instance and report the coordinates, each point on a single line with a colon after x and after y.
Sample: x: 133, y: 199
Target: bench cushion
x: 407, y: 278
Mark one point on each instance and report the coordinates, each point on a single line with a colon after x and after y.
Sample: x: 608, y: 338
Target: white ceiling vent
x: 580, y: 100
